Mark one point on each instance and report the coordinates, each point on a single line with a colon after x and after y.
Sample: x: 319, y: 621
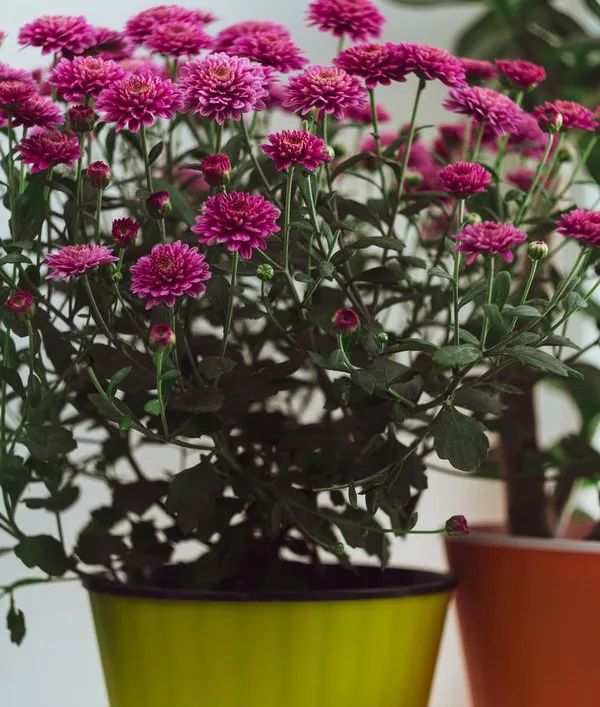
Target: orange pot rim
x: 496, y: 536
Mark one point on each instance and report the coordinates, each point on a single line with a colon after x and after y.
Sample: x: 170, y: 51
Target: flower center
x: 165, y: 265
x: 138, y: 86
x: 221, y: 73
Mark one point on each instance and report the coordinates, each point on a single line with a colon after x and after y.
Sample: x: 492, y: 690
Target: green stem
x: 10, y: 161
x: 218, y: 137
x: 229, y: 315
x: 78, y: 191
x: 530, y: 278
x: 97, y: 216
x: 22, y: 167
x: 144, y: 139
x: 536, y: 180
x: 457, y: 265
x: 411, y: 138
x: 582, y: 162
x: 159, y: 391
x: 478, y: 140
x: 255, y: 162
x: 287, y: 219
x: 97, y: 315
x: 490, y: 292
x: 377, y: 139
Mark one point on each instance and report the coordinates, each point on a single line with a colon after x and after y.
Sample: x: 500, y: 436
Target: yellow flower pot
x: 374, y: 645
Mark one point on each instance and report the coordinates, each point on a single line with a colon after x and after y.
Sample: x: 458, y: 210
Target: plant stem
x: 97, y: 216
x: 477, y: 144
x: 229, y: 315
x: 377, y: 139
x: 159, y: 391
x: 411, y: 137
x: 536, y: 180
x: 10, y: 161
x: 287, y: 218
x: 530, y: 278
x: 255, y: 162
x: 97, y: 315
x: 78, y: 192
x: 490, y: 292
x: 144, y: 141
x: 582, y: 162
x: 457, y: 265
x: 218, y: 137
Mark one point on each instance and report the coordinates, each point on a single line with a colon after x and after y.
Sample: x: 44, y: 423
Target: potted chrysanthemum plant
x: 257, y: 341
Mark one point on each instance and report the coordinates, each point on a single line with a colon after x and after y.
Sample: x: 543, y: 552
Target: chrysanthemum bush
x: 305, y: 328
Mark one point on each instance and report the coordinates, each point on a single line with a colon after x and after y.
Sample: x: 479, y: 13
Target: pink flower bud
x: 99, y: 174
x: 125, y: 230
x: 346, y: 320
x: 21, y: 303
x: 216, y: 169
x: 161, y: 336
x: 82, y: 119
x: 457, y: 525
x: 159, y: 204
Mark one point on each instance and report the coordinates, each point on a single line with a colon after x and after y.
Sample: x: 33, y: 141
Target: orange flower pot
x: 529, y: 618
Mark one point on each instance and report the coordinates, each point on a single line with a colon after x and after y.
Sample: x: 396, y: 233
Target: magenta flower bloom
x: 172, y: 270
x: 521, y: 74
x: 110, y: 44
x: 161, y: 337
x: 81, y: 118
x: 159, y: 204
x: 582, y: 224
x: 478, y: 70
x: 38, y: 112
x: 21, y: 304
x: 488, y: 238
x: 216, y: 169
x: 375, y: 63
x: 143, y: 65
x: 326, y: 89
x: 291, y: 148
x: 357, y: 19
x: 178, y: 38
x: 144, y: 23
x: 565, y: 115
x: 485, y: 105
x: 269, y: 49
x: 99, y: 174
x: 125, y: 230
x: 429, y: 63
x: 527, y: 138
x: 7, y: 73
x: 464, y: 179
x: 457, y: 525
x: 222, y: 87
x: 240, y: 220
x: 521, y: 178
x: 74, y: 260
x: 138, y: 100
x: 346, y: 320
x: 225, y: 39
x: 47, y: 148
x: 58, y: 33
x: 15, y: 92
x: 362, y: 114
x: 84, y: 76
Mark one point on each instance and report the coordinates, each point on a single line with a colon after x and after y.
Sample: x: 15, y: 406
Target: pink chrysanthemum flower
x: 357, y: 19
x: 47, y: 148
x: 58, y: 33
x: 225, y: 39
x: 84, y: 76
x: 568, y: 113
x: 99, y: 174
x: 240, y: 220
x: 326, y: 89
x: 346, y: 320
x: 521, y: 178
x: 125, y: 230
x: 172, y: 270
x: 478, y: 70
x: 375, y: 63
x: 161, y: 337
x: 464, y: 179
x: 290, y: 148
x: 143, y: 65
x: 139, y: 100
x: 362, y: 114
x: 221, y: 87
x: 429, y: 63
x: 110, y: 44
x: 216, y: 169
x: 8, y: 73
x: 38, y: 112
x: 13, y: 93
x: 178, y: 38
x: 488, y: 238
x: 527, y: 138
x: 144, y: 23
x: 270, y: 49
x: 582, y: 224
x: 485, y: 105
x: 74, y: 260
x: 521, y: 74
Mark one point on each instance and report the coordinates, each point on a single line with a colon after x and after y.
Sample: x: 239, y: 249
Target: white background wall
x: 58, y: 664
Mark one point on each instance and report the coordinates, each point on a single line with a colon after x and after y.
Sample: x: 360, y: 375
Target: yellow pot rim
x: 373, y: 582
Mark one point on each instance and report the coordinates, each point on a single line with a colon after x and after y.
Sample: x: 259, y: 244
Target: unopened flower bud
x: 537, y: 250
x: 457, y: 525
x: 566, y: 153
x: 82, y: 119
x: 216, y: 169
x: 472, y: 218
x: 346, y: 320
x: 382, y: 336
x: 332, y: 151
x: 21, y: 304
x: 99, y: 174
x: 265, y: 272
x: 339, y: 549
x: 125, y: 230
x: 159, y: 204
x: 161, y: 336
x: 413, y: 179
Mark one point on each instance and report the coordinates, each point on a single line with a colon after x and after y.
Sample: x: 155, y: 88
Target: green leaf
x: 462, y: 355
x: 478, y: 400
x: 111, y: 140
x: 49, y: 441
x: 363, y: 380
x: 153, y: 407
x: 15, y: 258
x: 501, y: 289
x: 182, y: 208
x: 15, y: 623
x: 378, y: 242
x: 477, y: 289
x: 193, y: 494
x: 413, y: 345
x: 594, y: 6
x: 116, y: 380
x: 213, y: 367
x: 460, y: 439
x: 171, y: 375
x: 205, y: 399
x: 523, y: 310
x: 58, y: 502
x: 538, y: 359
x: 30, y: 210
x: 12, y: 377
x: 155, y: 152
x: 45, y: 552
x: 14, y: 476
x: 352, y: 497
x: 303, y: 277
x: 438, y: 272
